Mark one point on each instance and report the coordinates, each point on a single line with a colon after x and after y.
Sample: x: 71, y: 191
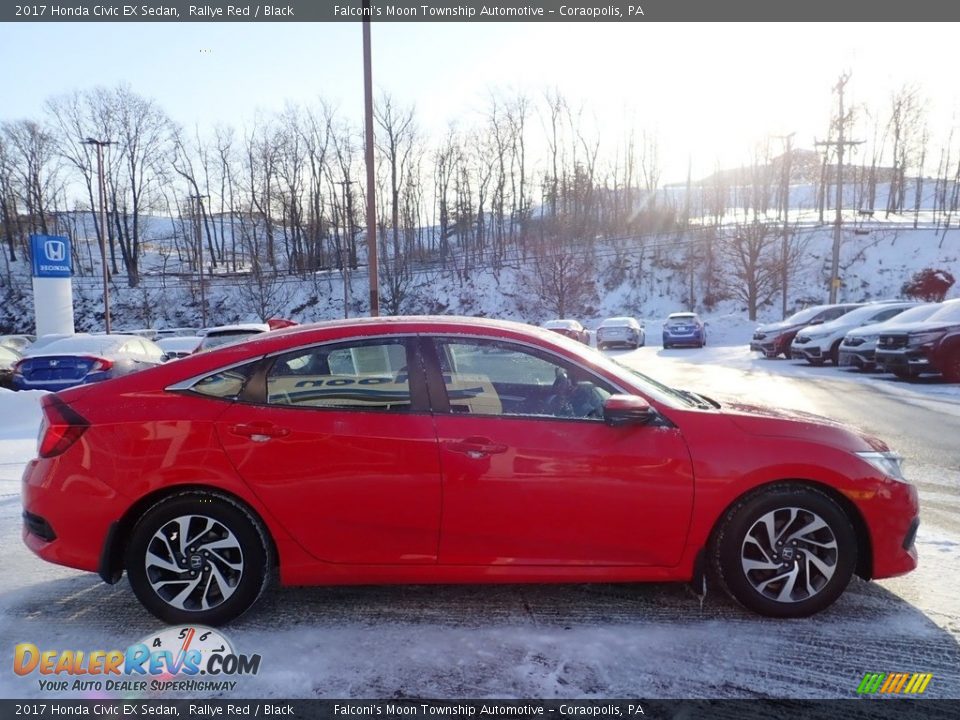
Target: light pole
x: 345, y: 255
x: 198, y: 199
x: 371, y: 188
x: 101, y: 185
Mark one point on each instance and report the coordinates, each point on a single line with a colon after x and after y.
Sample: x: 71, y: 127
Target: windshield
x: 915, y: 314
x: 804, y: 315
x: 949, y: 312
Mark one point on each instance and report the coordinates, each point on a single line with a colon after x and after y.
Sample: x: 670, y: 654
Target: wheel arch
x: 111, y: 557
x: 864, y: 567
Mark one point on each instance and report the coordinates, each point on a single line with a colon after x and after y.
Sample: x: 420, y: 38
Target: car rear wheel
x: 787, y: 551
x: 197, y: 557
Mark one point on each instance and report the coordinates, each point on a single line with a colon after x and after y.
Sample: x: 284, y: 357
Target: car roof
x: 619, y: 320
x: 81, y: 344
x: 682, y: 314
x: 565, y: 323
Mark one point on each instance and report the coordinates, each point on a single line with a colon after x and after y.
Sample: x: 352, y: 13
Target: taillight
x: 62, y: 426
x: 101, y: 364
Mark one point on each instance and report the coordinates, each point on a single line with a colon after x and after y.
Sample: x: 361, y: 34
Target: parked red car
x: 445, y: 450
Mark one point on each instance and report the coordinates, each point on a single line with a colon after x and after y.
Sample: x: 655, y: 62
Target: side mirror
x: 620, y: 410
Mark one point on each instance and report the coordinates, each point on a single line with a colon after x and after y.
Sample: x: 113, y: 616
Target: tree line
x: 527, y: 182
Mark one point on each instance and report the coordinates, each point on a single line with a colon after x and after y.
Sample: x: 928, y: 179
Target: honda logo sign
x: 51, y: 256
x: 55, y: 250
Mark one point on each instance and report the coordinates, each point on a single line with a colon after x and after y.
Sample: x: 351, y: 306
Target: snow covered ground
x: 649, y: 641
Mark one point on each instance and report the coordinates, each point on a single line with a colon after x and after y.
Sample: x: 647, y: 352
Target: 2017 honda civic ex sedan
x: 446, y: 450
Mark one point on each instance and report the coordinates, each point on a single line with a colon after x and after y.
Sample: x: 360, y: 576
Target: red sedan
x: 444, y: 450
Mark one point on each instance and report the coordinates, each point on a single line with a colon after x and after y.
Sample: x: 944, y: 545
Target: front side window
x: 484, y: 377
x: 362, y: 375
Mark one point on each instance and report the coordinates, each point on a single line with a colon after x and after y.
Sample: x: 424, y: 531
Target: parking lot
x: 649, y: 641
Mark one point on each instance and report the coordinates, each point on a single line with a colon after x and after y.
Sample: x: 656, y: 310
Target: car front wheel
x: 197, y: 557
x: 951, y: 367
x: 786, y: 551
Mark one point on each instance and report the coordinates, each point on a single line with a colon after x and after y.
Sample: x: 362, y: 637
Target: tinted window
x: 887, y: 314
x: 493, y: 378
x: 368, y: 375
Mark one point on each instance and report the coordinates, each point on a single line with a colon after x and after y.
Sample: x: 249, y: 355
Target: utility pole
x: 345, y: 256
x: 840, y: 144
x: 102, y: 186
x: 785, y: 249
x: 372, y: 265
x: 198, y: 212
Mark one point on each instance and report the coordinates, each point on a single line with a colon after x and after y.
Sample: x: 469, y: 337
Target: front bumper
x: 892, y: 515
x: 913, y: 360
x: 857, y: 358
x: 807, y: 351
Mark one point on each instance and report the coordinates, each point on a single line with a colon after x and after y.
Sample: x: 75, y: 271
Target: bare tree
x: 751, y: 254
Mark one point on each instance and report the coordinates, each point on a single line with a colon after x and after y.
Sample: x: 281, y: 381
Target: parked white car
x: 818, y: 343
x: 624, y: 331
x: 859, y: 346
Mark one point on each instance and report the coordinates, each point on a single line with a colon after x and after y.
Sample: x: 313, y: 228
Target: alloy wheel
x: 194, y: 562
x: 789, y: 554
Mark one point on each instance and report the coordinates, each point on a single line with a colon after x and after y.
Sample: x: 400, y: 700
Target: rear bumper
x: 692, y: 339
x: 76, y: 513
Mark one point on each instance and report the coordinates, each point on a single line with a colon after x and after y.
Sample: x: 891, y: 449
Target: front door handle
x: 476, y: 447
x: 259, y: 431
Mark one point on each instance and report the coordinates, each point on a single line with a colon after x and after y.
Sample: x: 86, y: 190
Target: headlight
x: 925, y: 338
x: 889, y: 463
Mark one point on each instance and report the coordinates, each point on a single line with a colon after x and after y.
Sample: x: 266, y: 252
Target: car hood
x: 765, y: 421
x: 920, y: 326
x: 779, y: 327
x: 882, y: 327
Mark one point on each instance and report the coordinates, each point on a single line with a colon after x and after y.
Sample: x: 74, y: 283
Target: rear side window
x: 365, y: 375
x: 225, y: 384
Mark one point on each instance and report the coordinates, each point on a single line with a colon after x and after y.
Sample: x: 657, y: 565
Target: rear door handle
x: 476, y: 447
x: 259, y: 431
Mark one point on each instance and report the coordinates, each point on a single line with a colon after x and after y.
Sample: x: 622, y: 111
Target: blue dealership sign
x: 51, y: 256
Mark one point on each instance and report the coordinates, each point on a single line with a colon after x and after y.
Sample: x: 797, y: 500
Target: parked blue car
x: 684, y: 328
x: 83, y: 359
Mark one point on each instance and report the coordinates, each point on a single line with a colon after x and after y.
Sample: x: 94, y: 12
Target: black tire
x: 817, y: 362
x: 215, y: 519
x: 835, y: 353
x: 951, y: 367
x: 666, y: 346
x: 904, y: 373
x: 601, y: 346
x: 730, y: 550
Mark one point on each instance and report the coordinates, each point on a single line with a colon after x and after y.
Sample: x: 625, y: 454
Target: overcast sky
x: 711, y: 90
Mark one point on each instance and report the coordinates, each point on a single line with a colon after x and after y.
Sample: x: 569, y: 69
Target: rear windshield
x: 212, y: 341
